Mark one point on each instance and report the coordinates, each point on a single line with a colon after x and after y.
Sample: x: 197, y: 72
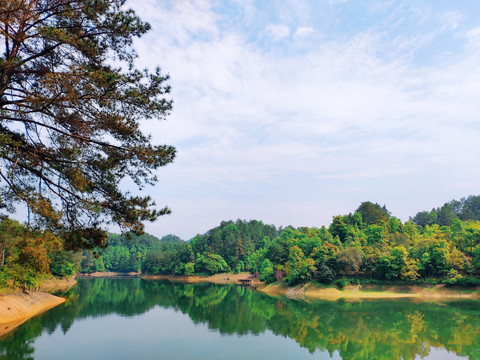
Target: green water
x: 138, y: 319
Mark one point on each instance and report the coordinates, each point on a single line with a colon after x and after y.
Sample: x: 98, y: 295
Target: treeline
x: 127, y: 253
x: 222, y: 249
x: 366, y: 244
x: 29, y: 255
x: 463, y: 209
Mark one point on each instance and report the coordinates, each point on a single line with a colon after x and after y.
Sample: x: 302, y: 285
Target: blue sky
x: 292, y: 112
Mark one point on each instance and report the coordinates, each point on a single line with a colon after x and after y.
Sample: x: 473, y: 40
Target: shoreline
x: 17, y: 307
x: 225, y: 278
x: 107, y: 274
x: 309, y: 291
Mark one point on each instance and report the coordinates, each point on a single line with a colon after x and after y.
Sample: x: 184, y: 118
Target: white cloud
x: 277, y: 32
x: 257, y: 132
x: 473, y: 37
x: 452, y: 19
x: 303, y: 32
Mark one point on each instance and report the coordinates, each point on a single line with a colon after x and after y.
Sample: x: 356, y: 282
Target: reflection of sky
x: 161, y: 334
x: 440, y: 354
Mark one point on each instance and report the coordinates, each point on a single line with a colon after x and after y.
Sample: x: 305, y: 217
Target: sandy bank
x: 54, y: 285
x: 195, y: 279
x: 310, y: 291
x: 15, y: 309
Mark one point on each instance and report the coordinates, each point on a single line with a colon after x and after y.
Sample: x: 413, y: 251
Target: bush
x: 325, y: 274
x: 189, y: 268
x: 266, y: 272
x: 341, y: 283
x: 462, y: 281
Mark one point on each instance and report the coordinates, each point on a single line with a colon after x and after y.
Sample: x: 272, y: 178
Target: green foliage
x: 240, y: 267
x: 362, y: 330
x: 325, y: 274
x: 463, y: 209
x: 63, y: 263
x: 373, y: 213
x: 211, y: 264
x: 299, y: 268
x: 189, y: 269
x: 397, y: 265
x: 476, y: 258
x: 29, y: 255
x: 375, y: 252
x: 349, y: 260
x: 267, y: 272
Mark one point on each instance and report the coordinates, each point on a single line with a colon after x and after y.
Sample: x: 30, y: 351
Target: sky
x: 294, y: 111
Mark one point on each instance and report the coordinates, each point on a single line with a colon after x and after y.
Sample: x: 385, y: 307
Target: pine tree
x: 71, y: 102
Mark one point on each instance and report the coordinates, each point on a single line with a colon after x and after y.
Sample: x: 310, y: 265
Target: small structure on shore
x: 245, y: 282
x: 248, y: 281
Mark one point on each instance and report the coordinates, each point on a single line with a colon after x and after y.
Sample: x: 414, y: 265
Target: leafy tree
x: 469, y: 208
x: 299, y: 268
x: 240, y: 267
x: 395, y: 225
x: 350, y: 259
x: 339, y: 228
x: 422, y: 218
x: 324, y: 274
x: 464, y: 209
x: 10, y: 234
x: 373, y: 213
x: 476, y: 258
x: 211, y: 264
x: 397, y: 265
x: 266, y: 272
x: 28, y: 258
x: 63, y: 263
x: 171, y: 238
x: 70, y: 119
x: 434, y: 261
x: 375, y: 234
x: 189, y: 269
x: 88, y: 262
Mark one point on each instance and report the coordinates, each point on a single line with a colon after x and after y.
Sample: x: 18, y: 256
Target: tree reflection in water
x: 377, y: 329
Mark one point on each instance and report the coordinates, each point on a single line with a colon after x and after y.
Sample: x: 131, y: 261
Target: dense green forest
x: 367, y: 245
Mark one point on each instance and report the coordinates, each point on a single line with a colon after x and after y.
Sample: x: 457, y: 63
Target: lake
x: 145, y: 319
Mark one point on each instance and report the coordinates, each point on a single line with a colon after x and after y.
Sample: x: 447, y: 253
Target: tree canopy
x: 463, y: 209
x: 71, y: 103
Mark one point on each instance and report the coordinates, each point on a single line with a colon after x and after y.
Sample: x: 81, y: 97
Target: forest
x: 368, y: 245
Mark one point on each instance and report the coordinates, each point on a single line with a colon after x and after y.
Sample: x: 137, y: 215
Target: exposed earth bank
x: 216, y: 279
x: 16, y: 308
x: 353, y: 292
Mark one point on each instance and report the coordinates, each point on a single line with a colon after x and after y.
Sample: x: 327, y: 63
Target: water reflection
x: 356, y: 330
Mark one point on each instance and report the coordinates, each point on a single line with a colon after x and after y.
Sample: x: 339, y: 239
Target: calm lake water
x: 141, y: 319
